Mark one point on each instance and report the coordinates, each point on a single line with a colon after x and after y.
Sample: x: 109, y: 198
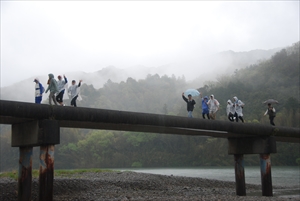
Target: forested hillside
x: 277, y: 78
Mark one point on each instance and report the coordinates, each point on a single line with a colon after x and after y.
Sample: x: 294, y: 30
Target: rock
x: 135, y: 186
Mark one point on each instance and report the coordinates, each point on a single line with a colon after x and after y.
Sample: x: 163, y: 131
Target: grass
x: 57, y: 173
x: 13, y: 174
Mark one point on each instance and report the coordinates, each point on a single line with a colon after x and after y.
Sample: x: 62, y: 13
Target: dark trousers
x: 231, y: 117
x: 272, y: 120
x: 238, y: 117
x: 203, y: 115
x: 73, y: 101
x: 59, y: 97
x: 38, y: 99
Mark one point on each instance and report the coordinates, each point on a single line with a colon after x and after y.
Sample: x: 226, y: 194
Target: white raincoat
x: 62, y: 85
x: 213, y: 104
x: 230, y: 108
x: 73, y: 91
x: 238, y: 106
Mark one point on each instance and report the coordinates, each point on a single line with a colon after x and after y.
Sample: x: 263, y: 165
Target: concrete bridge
x: 39, y: 125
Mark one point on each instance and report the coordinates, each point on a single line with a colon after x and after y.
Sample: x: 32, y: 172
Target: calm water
x: 281, y: 176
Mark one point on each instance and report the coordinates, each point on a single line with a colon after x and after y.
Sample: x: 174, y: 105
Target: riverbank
x: 123, y: 186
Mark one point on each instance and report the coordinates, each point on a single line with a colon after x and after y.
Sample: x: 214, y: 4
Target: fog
x: 169, y: 37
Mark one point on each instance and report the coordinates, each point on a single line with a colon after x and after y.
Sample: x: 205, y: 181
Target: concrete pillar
x: 44, y: 133
x: 35, y: 133
x: 266, y: 176
x: 252, y: 145
x: 239, y: 174
x: 46, y: 173
x: 25, y: 174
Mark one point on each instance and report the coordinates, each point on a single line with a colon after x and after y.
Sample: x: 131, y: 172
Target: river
x: 281, y: 176
x: 287, y: 176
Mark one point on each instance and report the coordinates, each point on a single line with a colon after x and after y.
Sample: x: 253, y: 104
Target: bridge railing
x: 16, y: 112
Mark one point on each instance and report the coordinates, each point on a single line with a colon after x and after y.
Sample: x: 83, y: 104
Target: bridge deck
x: 12, y: 112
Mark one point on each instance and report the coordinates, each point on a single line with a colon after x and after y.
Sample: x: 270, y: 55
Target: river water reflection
x: 281, y: 175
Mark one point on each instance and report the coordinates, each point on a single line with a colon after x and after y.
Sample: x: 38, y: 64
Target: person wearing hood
x: 61, y: 84
x: 271, y: 112
x: 52, y: 87
x: 190, y: 102
x: 213, y: 107
x: 205, y: 108
x: 230, y: 110
x: 238, y: 104
x: 73, y: 91
x: 39, y: 90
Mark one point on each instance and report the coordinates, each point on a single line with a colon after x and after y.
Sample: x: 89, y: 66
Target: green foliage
x: 136, y: 139
x: 12, y: 174
x: 287, y: 153
x: 58, y: 173
x: 69, y: 173
x: 137, y: 165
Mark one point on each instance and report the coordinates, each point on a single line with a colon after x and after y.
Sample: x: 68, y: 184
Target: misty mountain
x: 236, y: 60
x: 199, y: 70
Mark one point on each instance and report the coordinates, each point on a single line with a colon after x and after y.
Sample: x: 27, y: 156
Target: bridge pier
x: 43, y: 133
x: 46, y: 174
x: 252, y: 145
x: 25, y: 173
x: 266, y: 177
x: 239, y: 174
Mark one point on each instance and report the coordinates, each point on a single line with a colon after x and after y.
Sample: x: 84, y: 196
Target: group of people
x: 57, y: 90
x: 209, y: 106
x: 234, y: 109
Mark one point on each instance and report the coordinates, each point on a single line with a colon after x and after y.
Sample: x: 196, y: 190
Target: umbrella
x: 193, y: 92
x: 272, y: 101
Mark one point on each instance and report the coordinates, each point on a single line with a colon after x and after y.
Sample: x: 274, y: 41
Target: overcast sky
x: 53, y: 36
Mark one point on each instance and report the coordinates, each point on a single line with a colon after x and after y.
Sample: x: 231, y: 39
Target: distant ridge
x: 214, y: 65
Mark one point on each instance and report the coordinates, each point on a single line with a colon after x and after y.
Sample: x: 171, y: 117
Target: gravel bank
x: 138, y: 186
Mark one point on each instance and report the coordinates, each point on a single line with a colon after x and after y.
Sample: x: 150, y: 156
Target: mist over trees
x: 214, y: 65
x: 276, y: 78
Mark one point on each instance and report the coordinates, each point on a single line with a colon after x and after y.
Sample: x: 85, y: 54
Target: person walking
x: 61, y: 84
x: 53, y: 89
x: 213, y: 105
x: 205, y: 108
x: 271, y: 112
x: 238, y: 104
x: 74, y: 92
x: 230, y: 110
x: 39, y: 90
x: 190, y: 103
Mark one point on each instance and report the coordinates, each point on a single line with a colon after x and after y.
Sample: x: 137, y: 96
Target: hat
x: 36, y: 79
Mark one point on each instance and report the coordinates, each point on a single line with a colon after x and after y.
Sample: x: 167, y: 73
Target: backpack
x: 271, y: 113
x: 43, y: 89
